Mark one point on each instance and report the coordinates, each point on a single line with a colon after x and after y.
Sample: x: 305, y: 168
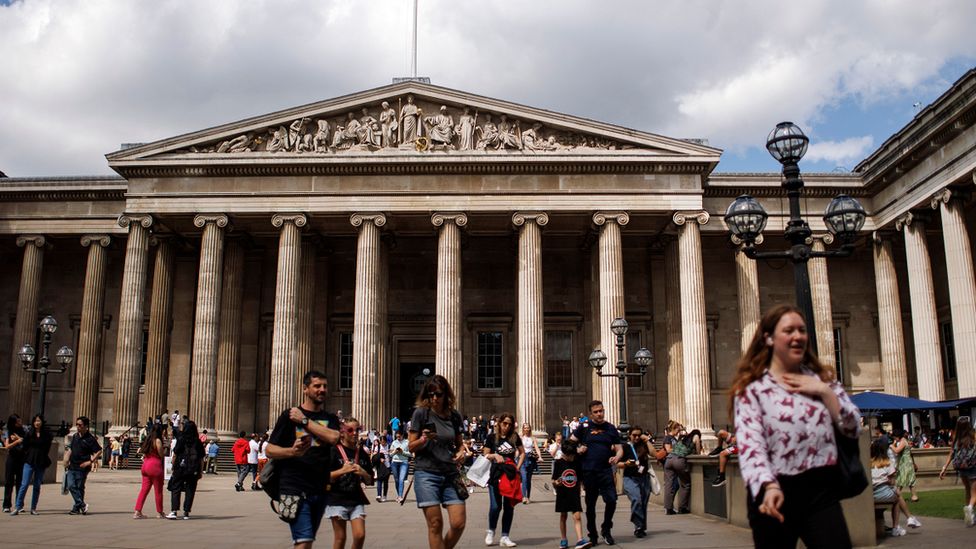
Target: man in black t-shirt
x: 82, y: 452
x: 300, y: 444
x: 600, y: 449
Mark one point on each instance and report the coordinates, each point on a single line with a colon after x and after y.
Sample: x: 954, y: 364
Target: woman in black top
x: 187, y: 469
x: 637, y: 477
x: 37, y: 446
x: 15, y: 460
x: 504, y: 448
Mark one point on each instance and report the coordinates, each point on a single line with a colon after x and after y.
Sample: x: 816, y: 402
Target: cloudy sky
x: 81, y: 77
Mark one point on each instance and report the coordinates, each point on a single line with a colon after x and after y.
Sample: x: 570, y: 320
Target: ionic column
x: 747, y: 280
x: 820, y: 293
x: 25, y: 325
x: 531, y: 370
x: 611, y: 302
x: 160, y: 319
x: 128, y: 352
x: 206, y: 324
x: 366, y: 322
x: 447, y: 358
x: 229, y: 345
x: 672, y: 325
x: 92, y: 314
x: 283, y: 354
x: 385, y: 382
x: 925, y: 320
x: 305, y: 304
x: 894, y: 372
x: 962, y: 288
x: 694, y: 330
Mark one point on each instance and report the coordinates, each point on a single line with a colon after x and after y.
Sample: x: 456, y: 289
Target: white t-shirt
x: 252, y: 456
x: 556, y: 450
x: 529, y: 444
x: 261, y: 452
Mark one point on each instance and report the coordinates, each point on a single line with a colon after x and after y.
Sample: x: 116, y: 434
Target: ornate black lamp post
x: 746, y: 219
x: 642, y: 357
x: 64, y: 357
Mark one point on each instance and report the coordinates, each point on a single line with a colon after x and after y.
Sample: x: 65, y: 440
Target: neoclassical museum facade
x: 412, y: 229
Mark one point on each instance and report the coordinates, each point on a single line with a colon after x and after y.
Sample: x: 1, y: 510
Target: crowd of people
x: 791, y: 418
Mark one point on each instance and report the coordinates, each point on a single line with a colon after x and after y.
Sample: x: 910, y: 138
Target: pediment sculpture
x: 410, y: 126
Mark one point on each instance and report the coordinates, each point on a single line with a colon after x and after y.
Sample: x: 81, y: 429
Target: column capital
x: 740, y: 244
x: 541, y: 218
x: 947, y: 194
x: 102, y: 240
x: 35, y: 239
x: 221, y: 220
x: 377, y: 218
x: 127, y: 219
x: 826, y: 238
x: 298, y: 219
x: 620, y: 218
x: 700, y: 217
x: 438, y: 218
x: 879, y: 236
x: 909, y: 218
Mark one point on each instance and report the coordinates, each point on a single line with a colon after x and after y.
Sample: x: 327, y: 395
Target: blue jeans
x: 308, y: 518
x: 638, y: 489
x: 527, y: 469
x: 499, y: 504
x: 400, y: 469
x: 76, y: 485
x: 38, y: 476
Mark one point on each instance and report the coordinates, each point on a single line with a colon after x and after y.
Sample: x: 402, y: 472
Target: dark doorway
x: 413, y: 375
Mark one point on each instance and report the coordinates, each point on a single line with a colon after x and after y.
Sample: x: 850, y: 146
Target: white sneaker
x: 914, y: 523
x: 968, y: 512
x: 506, y: 542
x: 172, y: 515
x: 898, y: 531
x: 490, y: 538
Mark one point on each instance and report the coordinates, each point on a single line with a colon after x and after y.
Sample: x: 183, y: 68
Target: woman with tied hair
x: 505, y: 448
x: 152, y: 470
x: 788, y: 407
x: 13, y: 441
x: 963, y: 458
x: 436, y: 443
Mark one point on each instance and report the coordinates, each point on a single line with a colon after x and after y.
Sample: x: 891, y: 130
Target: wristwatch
x: 304, y: 421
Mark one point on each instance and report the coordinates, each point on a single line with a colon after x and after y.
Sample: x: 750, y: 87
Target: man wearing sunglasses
x: 300, y: 444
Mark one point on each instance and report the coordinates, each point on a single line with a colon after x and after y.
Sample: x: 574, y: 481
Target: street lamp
x: 746, y: 219
x: 642, y: 357
x: 64, y: 356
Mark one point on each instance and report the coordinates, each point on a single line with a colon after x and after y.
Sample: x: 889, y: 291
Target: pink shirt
x: 782, y: 433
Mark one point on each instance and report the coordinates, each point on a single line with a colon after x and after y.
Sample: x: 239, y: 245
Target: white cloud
x: 840, y: 153
x: 80, y: 77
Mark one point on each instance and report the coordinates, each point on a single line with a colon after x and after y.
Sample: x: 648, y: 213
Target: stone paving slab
x: 224, y: 518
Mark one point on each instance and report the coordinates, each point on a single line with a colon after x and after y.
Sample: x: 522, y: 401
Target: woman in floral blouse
x: 787, y: 405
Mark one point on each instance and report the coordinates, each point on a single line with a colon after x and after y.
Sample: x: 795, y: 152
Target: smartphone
x: 431, y: 426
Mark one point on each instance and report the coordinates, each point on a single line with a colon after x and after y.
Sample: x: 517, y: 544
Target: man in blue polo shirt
x: 599, y: 451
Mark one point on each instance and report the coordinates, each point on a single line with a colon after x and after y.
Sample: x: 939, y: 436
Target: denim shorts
x: 345, y: 512
x: 434, y: 489
x: 307, y: 519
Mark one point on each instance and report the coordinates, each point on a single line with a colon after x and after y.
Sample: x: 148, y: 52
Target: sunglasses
x: 435, y: 394
x: 350, y: 429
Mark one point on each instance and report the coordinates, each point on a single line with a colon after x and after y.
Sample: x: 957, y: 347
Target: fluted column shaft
x: 962, y: 289
x: 925, y: 320
x: 894, y: 372
x: 92, y: 313
x: 229, y: 346
x: 611, y: 303
x: 25, y: 324
x: 305, y: 304
x: 206, y: 325
x: 447, y: 349
x: 283, y: 341
x: 747, y: 280
x: 160, y: 315
x: 672, y: 320
x: 384, y: 380
x: 820, y: 294
x: 694, y: 328
x: 531, y: 369
x: 366, y: 321
x: 128, y: 351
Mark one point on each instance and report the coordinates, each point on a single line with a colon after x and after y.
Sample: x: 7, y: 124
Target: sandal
x: 138, y: 515
x: 914, y: 499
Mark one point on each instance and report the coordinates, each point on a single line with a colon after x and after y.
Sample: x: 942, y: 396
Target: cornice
x: 22, y: 195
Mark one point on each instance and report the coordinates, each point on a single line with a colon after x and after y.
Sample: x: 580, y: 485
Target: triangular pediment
x: 411, y: 121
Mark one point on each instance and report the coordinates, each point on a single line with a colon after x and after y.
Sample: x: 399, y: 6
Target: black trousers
x: 12, y: 478
x: 811, y: 510
x: 189, y: 487
x: 599, y: 483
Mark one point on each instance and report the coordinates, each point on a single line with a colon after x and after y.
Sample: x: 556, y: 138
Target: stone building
x: 410, y: 229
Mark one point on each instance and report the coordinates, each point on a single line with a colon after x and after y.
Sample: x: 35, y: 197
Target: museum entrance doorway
x: 413, y: 376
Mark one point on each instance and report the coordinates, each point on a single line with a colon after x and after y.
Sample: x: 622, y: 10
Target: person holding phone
x: 637, y: 477
x: 435, y: 441
x: 399, y: 462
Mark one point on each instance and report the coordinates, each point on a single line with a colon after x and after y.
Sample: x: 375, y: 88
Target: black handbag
x: 853, y: 479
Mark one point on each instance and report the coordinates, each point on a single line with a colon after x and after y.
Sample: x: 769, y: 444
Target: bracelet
x: 773, y: 488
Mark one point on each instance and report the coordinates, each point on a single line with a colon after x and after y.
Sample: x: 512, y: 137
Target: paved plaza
x: 225, y: 518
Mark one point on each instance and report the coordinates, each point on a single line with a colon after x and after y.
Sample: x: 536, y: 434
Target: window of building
x: 948, y: 351
x: 345, y: 361
x: 490, y: 358
x: 633, y: 344
x: 839, y: 356
x: 559, y: 358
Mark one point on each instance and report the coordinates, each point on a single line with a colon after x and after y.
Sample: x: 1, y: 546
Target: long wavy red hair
x: 754, y: 362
